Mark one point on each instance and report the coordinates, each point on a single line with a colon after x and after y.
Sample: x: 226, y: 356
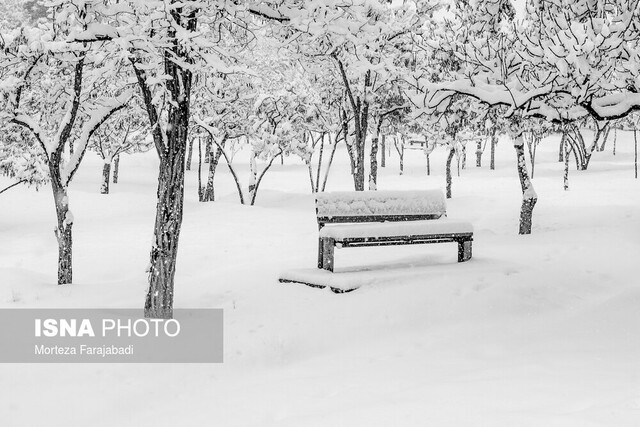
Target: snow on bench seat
x: 379, y: 203
x: 390, y: 229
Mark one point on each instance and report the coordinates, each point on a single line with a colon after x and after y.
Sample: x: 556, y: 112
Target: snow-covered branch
x: 98, y: 116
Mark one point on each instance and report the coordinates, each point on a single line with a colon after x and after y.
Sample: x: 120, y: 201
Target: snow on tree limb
x: 98, y: 116
x: 34, y: 127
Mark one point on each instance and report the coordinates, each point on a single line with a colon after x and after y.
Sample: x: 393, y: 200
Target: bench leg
x: 328, y: 246
x: 464, y: 250
x: 320, y: 253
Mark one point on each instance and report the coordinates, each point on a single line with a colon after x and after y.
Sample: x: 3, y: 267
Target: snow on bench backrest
x: 412, y: 204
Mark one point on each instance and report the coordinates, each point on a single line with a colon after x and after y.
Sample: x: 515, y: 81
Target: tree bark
x: 317, y: 184
x: 561, y: 149
x: 209, y: 192
x: 200, y: 189
x: 529, y: 196
x: 479, y: 153
x: 328, y: 168
x: 383, y: 155
x: 171, y: 149
x: 428, y: 166
x: 464, y: 158
x: 63, y: 230
x: 448, y: 171
x: 400, y: 150
x: 494, y: 142
x: 116, y: 168
x: 207, y: 149
x: 190, y: 155
x: 565, y: 156
x: 373, y: 159
x: 106, y: 174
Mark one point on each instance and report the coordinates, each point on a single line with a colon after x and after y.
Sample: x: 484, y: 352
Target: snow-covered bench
x: 379, y: 218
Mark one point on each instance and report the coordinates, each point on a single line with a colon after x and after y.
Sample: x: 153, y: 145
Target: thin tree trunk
x: 326, y: 172
x: 106, y: 174
x: 190, y: 155
x: 116, y: 168
x: 615, y: 139
x: 207, y: 149
x: 383, y: 155
x: 533, y: 156
x: 310, y: 169
x: 565, y: 155
x: 561, y: 150
x: 479, y: 153
x: 400, y: 150
x: 373, y: 159
x: 253, y: 174
x: 494, y: 142
x: 319, y: 163
x: 448, y: 171
x: 259, y: 180
x: 464, y: 157
x: 529, y: 196
x: 428, y: 166
x: 200, y: 189
x: 209, y: 192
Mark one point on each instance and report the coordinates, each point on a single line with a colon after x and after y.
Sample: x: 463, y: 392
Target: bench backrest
x: 379, y: 206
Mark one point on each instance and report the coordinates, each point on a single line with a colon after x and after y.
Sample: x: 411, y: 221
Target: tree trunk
x: 328, y: 168
x: 116, y: 168
x: 171, y: 147
x: 529, y: 196
x: 63, y: 231
x: 400, y: 150
x: 428, y: 166
x: 561, y: 149
x: 209, y: 193
x: 479, y: 153
x: 464, y: 158
x: 383, y: 155
x: 317, y: 184
x: 253, y: 174
x: 448, y: 171
x: 200, y: 189
x: 190, y: 155
x: 566, y: 166
x: 106, y: 174
x: 494, y: 142
x: 373, y: 159
x: 533, y: 157
x: 207, y: 150
x: 169, y: 210
x: 615, y: 139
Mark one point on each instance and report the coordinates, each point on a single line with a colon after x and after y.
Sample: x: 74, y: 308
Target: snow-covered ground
x: 539, y: 330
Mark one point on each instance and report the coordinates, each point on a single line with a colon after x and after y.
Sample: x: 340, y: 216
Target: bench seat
x: 340, y: 232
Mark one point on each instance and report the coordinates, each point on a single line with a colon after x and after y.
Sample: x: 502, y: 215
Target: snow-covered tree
x: 61, y: 91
